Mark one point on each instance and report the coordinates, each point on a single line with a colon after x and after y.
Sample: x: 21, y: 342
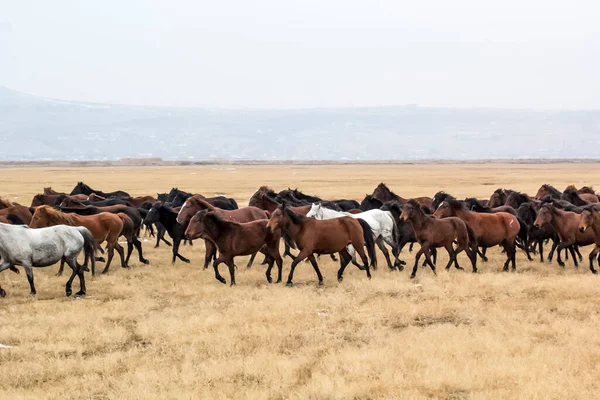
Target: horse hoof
x: 340, y: 279
x: 232, y: 284
x: 145, y: 262
x: 79, y: 295
x: 594, y: 272
x: 278, y: 281
x: 32, y: 294
x: 69, y: 292
x: 223, y: 281
x: 59, y: 274
x: 269, y: 279
x: 185, y: 260
x: 412, y: 276
x: 85, y: 268
x: 320, y: 283
x: 2, y: 292
x: 289, y: 284
x: 101, y: 259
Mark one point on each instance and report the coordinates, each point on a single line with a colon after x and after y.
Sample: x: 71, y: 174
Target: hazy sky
x: 309, y: 53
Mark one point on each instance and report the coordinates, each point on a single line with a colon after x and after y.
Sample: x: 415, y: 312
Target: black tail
x: 15, y: 219
x: 89, y: 247
x: 472, y: 238
x: 288, y: 240
x: 368, y: 236
x: 523, y: 237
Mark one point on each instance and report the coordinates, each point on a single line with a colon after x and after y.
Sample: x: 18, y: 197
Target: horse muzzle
x: 582, y: 229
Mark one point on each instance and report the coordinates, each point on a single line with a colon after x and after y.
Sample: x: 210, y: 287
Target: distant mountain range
x: 36, y: 128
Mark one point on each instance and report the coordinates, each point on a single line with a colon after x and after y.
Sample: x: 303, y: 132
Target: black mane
x: 295, y: 217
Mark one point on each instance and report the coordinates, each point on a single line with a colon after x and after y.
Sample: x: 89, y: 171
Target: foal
x: 431, y: 233
x: 236, y: 239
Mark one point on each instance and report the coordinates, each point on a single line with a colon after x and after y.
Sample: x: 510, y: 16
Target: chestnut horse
x: 590, y: 218
x: 566, y: 224
x: 236, y: 239
x: 490, y: 229
x: 432, y: 233
x: 197, y: 202
x: 105, y: 227
x: 24, y: 213
x: 384, y: 194
x: 322, y: 237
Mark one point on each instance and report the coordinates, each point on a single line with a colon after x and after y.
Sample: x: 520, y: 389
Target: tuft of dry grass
x: 173, y: 331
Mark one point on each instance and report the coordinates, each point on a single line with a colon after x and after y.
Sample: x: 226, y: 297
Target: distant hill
x: 35, y: 128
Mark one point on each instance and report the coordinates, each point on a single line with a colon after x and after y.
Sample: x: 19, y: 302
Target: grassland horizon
x: 173, y: 331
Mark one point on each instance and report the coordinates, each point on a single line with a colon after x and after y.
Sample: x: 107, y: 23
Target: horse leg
x: 129, y: 250
x: 75, y: 270
x: 352, y: 251
x: 61, y: 268
x: 109, y: 257
x: 427, y: 254
x: 29, y: 272
x: 176, y: 243
x: 541, y: 247
x: 416, y: 266
x: 217, y: 274
x: 315, y: 266
x: 270, y: 263
x: 385, y: 252
x: 452, y: 257
x: 210, y: 252
x: 121, y: 252
x: 14, y: 269
x: 138, y: 247
x: 576, y: 248
x: 572, y: 251
x: 344, y: 261
x: 231, y: 266
x: 482, y: 253
x: 301, y: 256
x: 251, y: 260
x: 410, y: 248
x: 592, y: 257
x: 558, y: 250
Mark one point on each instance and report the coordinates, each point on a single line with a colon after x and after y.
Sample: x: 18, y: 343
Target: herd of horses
x: 59, y: 226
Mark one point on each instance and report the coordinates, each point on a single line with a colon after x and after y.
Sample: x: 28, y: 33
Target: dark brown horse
x: 490, y: 229
x: 432, y: 233
x: 236, y: 239
x: 566, y: 224
x: 587, y: 193
x: 49, y: 190
x: 590, y: 218
x: 384, y: 194
x: 105, y: 227
x: 499, y: 197
x: 197, y: 202
x: 322, y: 237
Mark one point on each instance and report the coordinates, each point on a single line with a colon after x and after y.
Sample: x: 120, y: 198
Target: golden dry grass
x: 173, y: 331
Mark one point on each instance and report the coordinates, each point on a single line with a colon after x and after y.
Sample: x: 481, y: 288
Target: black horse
x: 168, y: 218
x: 82, y: 188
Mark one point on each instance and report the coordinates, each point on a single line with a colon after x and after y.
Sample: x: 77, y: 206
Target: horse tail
x: 143, y: 212
x: 395, y: 231
x: 89, y: 247
x: 368, y: 237
x: 472, y: 237
x: 15, y: 219
x: 523, y: 232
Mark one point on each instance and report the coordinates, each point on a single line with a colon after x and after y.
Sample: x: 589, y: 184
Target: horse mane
x: 56, y: 216
x: 295, y: 217
x: 477, y: 206
x: 574, y: 195
x: 571, y: 187
x: 522, y: 197
x: 199, y: 200
x: 455, y: 204
x: 551, y: 189
x: 499, y: 191
x: 546, y: 200
x: 267, y: 191
x: 587, y: 189
x: 223, y: 226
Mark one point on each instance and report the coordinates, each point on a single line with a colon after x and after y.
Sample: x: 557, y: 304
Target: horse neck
x: 63, y: 218
x: 559, y: 217
x: 204, y: 205
x: 419, y: 221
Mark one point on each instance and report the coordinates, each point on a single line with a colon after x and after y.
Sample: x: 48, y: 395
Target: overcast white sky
x: 309, y: 53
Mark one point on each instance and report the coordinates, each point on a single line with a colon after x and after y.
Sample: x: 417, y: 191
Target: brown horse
x: 5, y: 203
x: 384, y: 194
x: 49, y: 190
x: 105, y: 227
x: 586, y: 192
x: 197, y: 203
x: 236, y: 239
x: 490, y: 229
x: 139, y: 200
x: 590, y: 217
x: 93, y: 197
x: 24, y: 213
x: 321, y: 237
x: 499, y: 197
x: 566, y: 224
x: 432, y: 233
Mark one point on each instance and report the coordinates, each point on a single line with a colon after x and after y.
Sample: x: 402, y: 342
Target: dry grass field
x: 173, y: 331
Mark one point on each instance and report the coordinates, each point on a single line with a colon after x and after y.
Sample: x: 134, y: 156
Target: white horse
x: 381, y: 222
x: 21, y: 245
